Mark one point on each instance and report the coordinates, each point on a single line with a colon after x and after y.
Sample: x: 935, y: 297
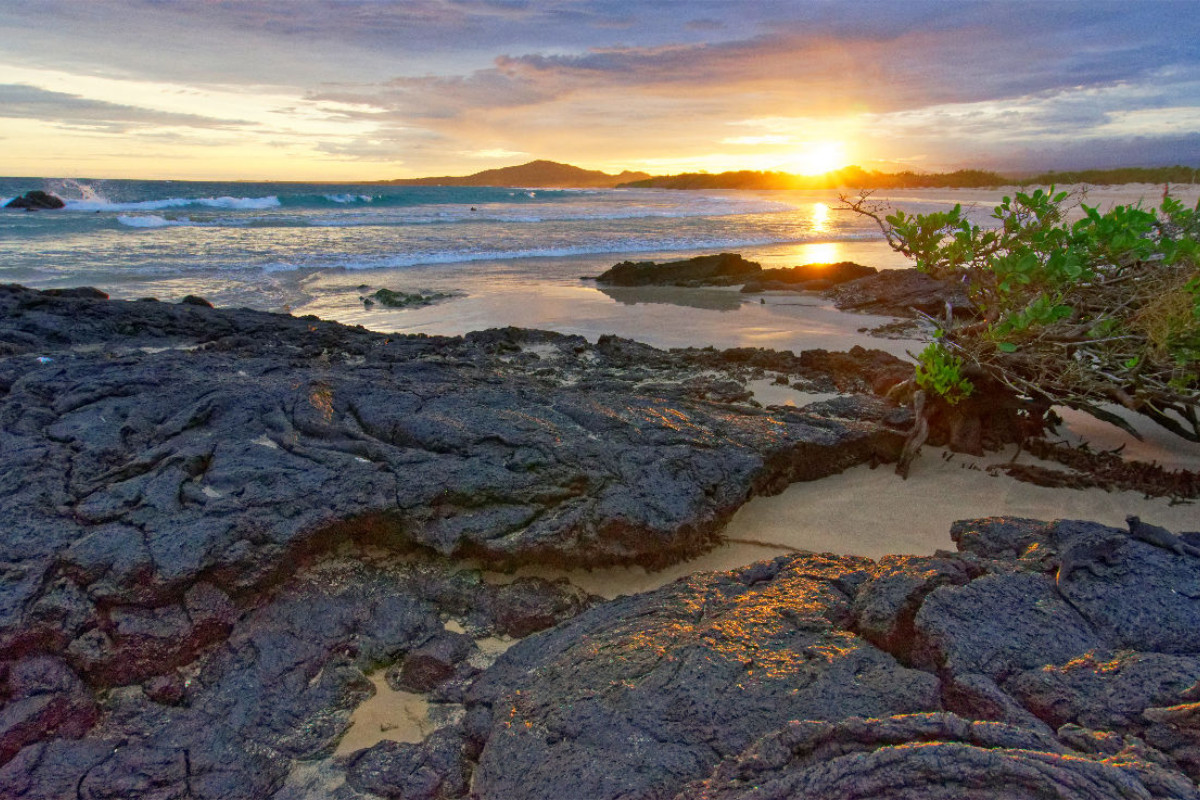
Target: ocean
x: 507, y: 256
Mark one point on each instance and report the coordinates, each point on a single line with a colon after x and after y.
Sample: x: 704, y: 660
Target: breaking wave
x: 234, y: 203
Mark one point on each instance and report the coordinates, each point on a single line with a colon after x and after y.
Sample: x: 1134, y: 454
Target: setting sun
x: 818, y: 158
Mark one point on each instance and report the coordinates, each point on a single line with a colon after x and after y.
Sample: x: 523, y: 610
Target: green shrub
x: 939, y: 372
x: 1104, y: 309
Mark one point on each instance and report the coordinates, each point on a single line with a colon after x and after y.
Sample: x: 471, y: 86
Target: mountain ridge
x: 541, y: 174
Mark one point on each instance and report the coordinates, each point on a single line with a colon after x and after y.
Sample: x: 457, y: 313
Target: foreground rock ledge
x: 217, y: 524
x: 148, y: 449
x: 1014, y: 668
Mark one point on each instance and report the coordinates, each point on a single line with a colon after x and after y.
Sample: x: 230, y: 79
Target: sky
x: 376, y: 89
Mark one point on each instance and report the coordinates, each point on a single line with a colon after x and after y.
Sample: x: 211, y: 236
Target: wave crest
x: 237, y: 203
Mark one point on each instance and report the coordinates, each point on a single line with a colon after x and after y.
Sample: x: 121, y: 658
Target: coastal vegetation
x: 1104, y: 310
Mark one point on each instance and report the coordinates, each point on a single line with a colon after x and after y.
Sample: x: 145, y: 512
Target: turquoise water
x: 511, y: 256
x: 121, y: 234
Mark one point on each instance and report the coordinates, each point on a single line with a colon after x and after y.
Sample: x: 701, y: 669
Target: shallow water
x: 515, y: 254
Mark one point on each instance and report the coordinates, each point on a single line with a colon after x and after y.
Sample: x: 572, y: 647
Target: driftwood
x: 916, y: 436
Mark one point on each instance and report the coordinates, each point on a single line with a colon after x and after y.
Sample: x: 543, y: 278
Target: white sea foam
x: 151, y: 221
x: 348, y: 198
x: 239, y: 203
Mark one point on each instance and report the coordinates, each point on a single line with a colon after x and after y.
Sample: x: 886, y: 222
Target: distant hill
x: 859, y: 178
x: 535, y: 174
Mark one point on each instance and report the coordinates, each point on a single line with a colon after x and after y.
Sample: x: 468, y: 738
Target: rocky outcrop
x: 36, y: 200
x: 928, y: 756
x: 730, y: 269
x: 216, y: 553
x: 809, y: 675
x: 639, y: 694
x: 391, y: 298
x: 278, y: 692
x: 161, y: 463
x: 898, y: 292
x: 810, y: 277
x: 724, y: 269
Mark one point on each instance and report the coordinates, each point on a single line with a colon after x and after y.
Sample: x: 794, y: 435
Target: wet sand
x: 404, y: 716
x: 398, y: 716
x: 661, y: 316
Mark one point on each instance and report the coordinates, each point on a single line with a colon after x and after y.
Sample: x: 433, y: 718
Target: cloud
x: 612, y: 81
x: 20, y: 101
x: 495, y: 153
x: 1094, y: 153
x: 888, y: 66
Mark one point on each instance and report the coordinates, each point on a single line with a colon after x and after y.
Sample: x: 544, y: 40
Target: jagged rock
x: 36, y: 200
x: 527, y: 605
x: 855, y: 370
x: 730, y: 269
x: 1110, y: 693
x: 641, y: 694
x: 280, y: 689
x: 897, y: 292
x: 690, y: 691
x: 809, y: 278
x: 1000, y: 624
x: 927, y: 756
x: 427, y: 771
x: 256, y: 439
x: 1140, y: 597
x: 44, y: 699
x: 723, y: 269
x: 200, y: 570
x: 394, y: 299
x: 430, y: 664
x: 975, y: 696
x: 885, y: 607
x: 1176, y: 731
x: 1000, y: 537
x: 52, y: 770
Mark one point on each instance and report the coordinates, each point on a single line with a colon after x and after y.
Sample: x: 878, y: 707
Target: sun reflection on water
x: 820, y: 218
x: 822, y: 253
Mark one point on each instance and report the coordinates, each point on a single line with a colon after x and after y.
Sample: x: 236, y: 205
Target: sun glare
x: 818, y: 158
x: 822, y: 253
x: 820, y: 218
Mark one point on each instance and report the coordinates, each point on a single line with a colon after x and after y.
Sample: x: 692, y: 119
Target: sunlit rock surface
x: 226, y: 534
